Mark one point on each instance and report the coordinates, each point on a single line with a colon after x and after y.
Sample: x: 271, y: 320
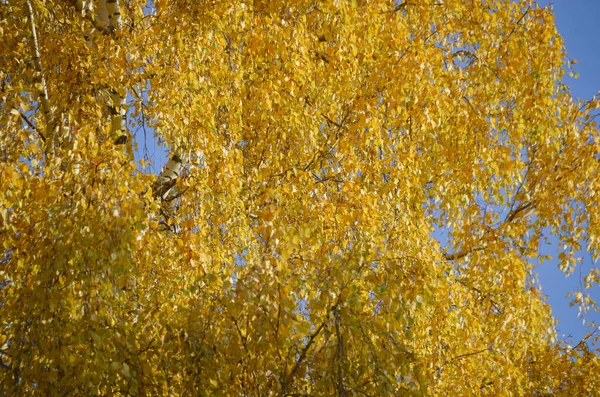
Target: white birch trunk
x: 168, y: 176
x: 114, y: 14
x: 107, y: 19
x: 118, y: 128
x: 84, y: 7
x: 101, y: 20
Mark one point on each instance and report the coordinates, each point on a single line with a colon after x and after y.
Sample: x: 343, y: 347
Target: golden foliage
x: 365, y: 186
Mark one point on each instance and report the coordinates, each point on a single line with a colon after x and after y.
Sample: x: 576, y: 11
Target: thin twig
x: 33, y: 127
x: 513, y: 213
x: 311, y: 339
x: 338, y: 125
x: 461, y: 356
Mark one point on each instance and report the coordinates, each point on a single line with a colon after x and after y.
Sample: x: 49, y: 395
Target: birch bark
x: 107, y: 20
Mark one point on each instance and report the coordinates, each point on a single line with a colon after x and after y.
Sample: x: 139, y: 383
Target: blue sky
x: 577, y: 21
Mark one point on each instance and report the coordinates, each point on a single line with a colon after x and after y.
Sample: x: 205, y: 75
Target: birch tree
x: 353, y: 203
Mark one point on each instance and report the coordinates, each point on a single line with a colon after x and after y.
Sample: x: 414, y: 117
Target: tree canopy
x: 354, y: 202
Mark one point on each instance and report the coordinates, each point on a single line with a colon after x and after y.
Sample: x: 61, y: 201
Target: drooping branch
x: 43, y: 88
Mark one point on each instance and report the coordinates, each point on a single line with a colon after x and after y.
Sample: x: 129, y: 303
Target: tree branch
x: 461, y: 356
x: 338, y: 355
x: 338, y: 125
x: 460, y: 254
x: 311, y: 339
x: 33, y: 127
x: 43, y: 90
x: 509, y: 218
x: 514, y: 212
